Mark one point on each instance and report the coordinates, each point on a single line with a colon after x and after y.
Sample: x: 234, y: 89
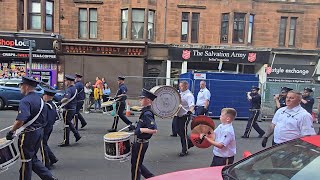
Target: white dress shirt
x: 203, y: 95
x: 291, y: 124
x: 225, y: 135
x: 187, y: 100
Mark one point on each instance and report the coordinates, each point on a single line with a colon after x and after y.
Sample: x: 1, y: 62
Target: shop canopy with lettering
x: 217, y: 55
x: 14, y: 47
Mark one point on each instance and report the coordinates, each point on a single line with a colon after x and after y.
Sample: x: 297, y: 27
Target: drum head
x: 167, y: 102
x: 117, y: 136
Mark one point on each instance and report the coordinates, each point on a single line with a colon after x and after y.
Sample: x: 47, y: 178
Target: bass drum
x: 167, y: 102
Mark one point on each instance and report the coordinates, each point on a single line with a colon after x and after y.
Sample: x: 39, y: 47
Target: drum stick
x: 6, y: 128
x: 127, y: 127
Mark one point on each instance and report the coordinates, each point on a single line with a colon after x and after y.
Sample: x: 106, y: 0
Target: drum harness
x: 60, y: 110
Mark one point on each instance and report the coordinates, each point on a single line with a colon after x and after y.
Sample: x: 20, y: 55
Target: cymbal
x: 202, y: 120
x: 195, y: 135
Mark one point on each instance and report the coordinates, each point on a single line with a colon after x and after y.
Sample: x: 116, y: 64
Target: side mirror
x: 246, y: 154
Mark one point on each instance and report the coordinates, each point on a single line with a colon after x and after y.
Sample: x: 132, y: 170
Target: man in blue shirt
x: 69, y: 104
x: 80, y: 100
x: 307, y: 101
x: 52, y: 116
x: 121, y: 97
x: 255, y: 101
x: 32, y: 117
x: 146, y: 127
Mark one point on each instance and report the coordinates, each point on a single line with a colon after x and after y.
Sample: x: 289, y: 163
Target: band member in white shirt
x: 203, y: 100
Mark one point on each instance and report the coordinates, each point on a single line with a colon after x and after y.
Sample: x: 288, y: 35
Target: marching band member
x: 290, y: 122
x: 280, y: 99
x: 255, y: 101
x: 69, y: 110
x: 187, y: 108
x: 48, y: 157
x: 80, y: 100
x: 223, y: 139
x: 32, y: 115
x: 307, y: 101
x: 121, y: 96
x: 146, y: 127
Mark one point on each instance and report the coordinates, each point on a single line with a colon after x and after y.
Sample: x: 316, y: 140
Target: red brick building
x: 165, y: 37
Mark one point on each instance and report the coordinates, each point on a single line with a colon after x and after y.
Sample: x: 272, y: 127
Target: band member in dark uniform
x: 307, y: 101
x: 280, y: 99
x: 80, y: 100
x: 255, y: 101
x: 48, y: 157
x: 146, y: 127
x: 121, y: 97
x: 69, y: 110
x: 30, y: 121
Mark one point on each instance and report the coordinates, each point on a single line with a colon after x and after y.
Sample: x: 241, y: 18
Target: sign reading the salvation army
x: 292, y: 71
x: 217, y: 55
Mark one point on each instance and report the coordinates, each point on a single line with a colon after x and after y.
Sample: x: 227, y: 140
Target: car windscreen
x: 293, y: 160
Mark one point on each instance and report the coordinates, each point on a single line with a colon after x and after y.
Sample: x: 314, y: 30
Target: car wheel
x: 1, y: 104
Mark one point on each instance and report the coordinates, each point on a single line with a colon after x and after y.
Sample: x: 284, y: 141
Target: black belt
x: 224, y: 157
x: 69, y: 109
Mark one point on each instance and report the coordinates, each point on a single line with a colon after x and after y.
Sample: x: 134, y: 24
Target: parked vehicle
x: 10, y: 92
x: 295, y: 160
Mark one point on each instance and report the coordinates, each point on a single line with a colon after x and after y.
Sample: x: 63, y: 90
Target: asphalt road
x: 85, y: 160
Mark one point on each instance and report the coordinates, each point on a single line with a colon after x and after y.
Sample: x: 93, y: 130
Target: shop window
x: 292, y: 31
x: 318, y: 41
x: 224, y: 28
x: 124, y: 24
x: 184, y: 26
x: 151, y: 25
x: 195, y: 27
x: 250, y: 28
x: 35, y: 15
x: 88, y: 23
x: 238, y: 28
x: 282, y: 31
x: 137, y: 27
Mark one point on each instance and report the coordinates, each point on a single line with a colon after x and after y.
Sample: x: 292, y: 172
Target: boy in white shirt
x: 223, y: 139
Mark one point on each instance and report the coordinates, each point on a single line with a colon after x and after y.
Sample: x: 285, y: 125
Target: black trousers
x: 221, y: 161
x: 252, y: 123
x: 78, y: 116
x: 29, y: 144
x: 174, y: 125
x: 68, y: 115
x: 200, y: 110
x: 182, y: 125
x: 120, y: 109
x: 137, y: 156
x: 47, y: 155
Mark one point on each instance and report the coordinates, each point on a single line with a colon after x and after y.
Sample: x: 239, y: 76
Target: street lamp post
x: 31, y: 44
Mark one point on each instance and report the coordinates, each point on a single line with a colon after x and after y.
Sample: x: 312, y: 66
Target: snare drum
x: 117, y: 145
x: 107, y: 106
x: 8, y: 154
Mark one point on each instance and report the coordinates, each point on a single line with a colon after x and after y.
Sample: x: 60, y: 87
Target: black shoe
x: 261, y: 135
x: 64, y: 145
x: 83, y: 125
x: 173, y: 135
x: 183, y: 154
x: 78, y: 138
x: 112, y: 130
x: 244, y: 136
x: 52, y: 162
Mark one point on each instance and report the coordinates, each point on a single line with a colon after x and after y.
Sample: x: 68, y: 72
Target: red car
x: 293, y: 160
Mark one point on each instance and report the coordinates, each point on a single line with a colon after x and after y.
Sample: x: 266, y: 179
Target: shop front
x: 14, y: 57
x: 216, y: 60
x: 105, y: 60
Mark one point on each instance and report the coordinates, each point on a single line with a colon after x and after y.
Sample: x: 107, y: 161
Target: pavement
x: 85, y: 160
